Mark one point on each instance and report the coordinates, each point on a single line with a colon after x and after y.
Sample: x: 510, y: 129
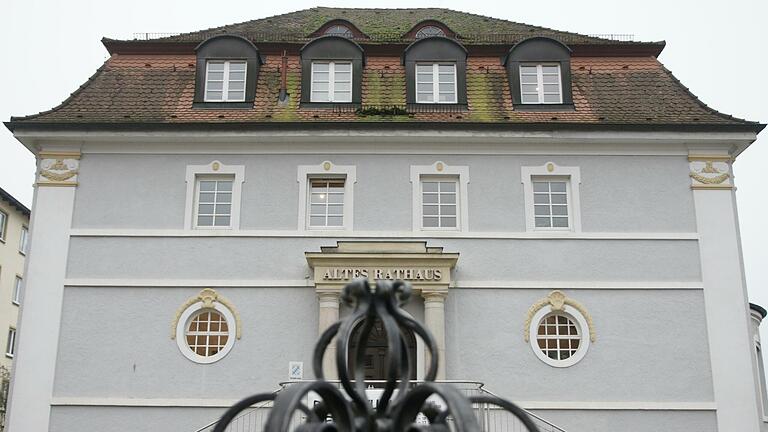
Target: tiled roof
x: 158, y: 89
x: 14, y: 202
x: 386, y: 25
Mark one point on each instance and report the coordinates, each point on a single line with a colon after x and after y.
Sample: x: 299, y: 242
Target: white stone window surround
x: 326, y: 170
x: 436, y: 170
x: 3, y: 225
x: 10, y: 347
x: 551, y: 171
x: 24, y: 240
x: 17, y: 287
x: 184, y: 321
x: 584, y: 333
x: 214, y: 168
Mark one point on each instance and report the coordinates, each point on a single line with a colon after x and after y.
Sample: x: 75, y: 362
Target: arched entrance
x: 376, y: 352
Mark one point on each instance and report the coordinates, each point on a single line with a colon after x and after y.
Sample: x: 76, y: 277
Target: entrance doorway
x: 376, y: 352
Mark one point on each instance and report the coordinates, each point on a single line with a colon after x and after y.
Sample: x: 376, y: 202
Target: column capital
x: 434, y: 295
x: 58, y: 168
x: 710, y: 171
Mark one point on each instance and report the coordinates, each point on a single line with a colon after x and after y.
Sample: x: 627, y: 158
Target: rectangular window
x: 326, y: 203
x: 10, y: 347
x: 550, y: 199
x: 24, y: 242
x: 439, y: 204
x: 214, y: 202
x: 435, y: 83
x: 540, y: 84
x: 331, y: 82
x: 225, y: 80
x: 3, y: 223
x: 16, y: 299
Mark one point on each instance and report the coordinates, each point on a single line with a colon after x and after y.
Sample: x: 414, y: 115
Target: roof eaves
x: 14, y: 202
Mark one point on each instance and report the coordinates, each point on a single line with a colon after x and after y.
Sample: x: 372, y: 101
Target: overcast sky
x: 716, y: 48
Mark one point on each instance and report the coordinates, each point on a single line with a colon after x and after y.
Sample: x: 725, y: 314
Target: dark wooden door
x: 375, y: 359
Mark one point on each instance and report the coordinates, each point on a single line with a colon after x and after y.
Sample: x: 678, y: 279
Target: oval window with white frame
x: 559, y: 330
x: 206, y: 327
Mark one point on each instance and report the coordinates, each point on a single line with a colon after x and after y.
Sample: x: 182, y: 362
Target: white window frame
x: 183, y: 322
x: 215, y: 168
x: 584, y: 333
x: 10, y: 344
x: 332, y: 81
x: 435, y: 83
x: 225, y: 83
x: 17, y: 287
x: 540, y: 83
x: 551, y: 171
x: 3, y: 225
x: 437, y: 170
x: 24, y: 240
x: 329, y: 170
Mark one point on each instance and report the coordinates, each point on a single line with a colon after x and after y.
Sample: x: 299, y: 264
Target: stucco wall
x: 618, y: 193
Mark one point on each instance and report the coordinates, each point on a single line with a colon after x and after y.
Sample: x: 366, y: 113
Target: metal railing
x: 490, y: 417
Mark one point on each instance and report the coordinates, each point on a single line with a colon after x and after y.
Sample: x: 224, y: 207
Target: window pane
x: 425, y: 88
x: 542, y: 222
x: 425, y: 97
x: 430, y: 210
x: 557, y: 186
x: 448, y: 222
x: 319, y: 96
x: 215, y: 66
x: 225, y: 197
x: 215, y: 85
x: 342, y: 76
x: 446, y: 87
x: 430, y: 222
x: 342, y: 87
x: 236, y: 95
x: 222, y: 221
x: 529, y: 79
x: 541, y: 210
x: 529, y: 69
x: 207, y: 197
x: 343, y: 67
x: 424, y: 68
x: 335, y: 221
x: 430, y: 198
x: 552, y: 98
x: 320, y: 86
x: 336, y: 198
x: 530, y: 88
x: 558, y: 199
x: 224, y: 186
x: 317, y: 209
x: 447, y: 187
x: 550, y: 69
x: 336, y: 210
x: 448, y: 198
x: 216, y: 76
x: 207, y: 185
x: 449, y: 97
x: 205, y: 220
x: 320, y: 67
x: 429, y: 186
x: 528, y: 98
x: 205, y: 209
x: 551, y: 79
x: 237, y: 66
x: 317, y: 221
x: 560, y: 210
x: 223, y: 209
x: 449, y: 210
x: 213, y: 95
x: 541, y: 198
x: 445, y: 69
x: 237, y: 76
x: 540, y: 187
x: 237, y: 86
x: 560, y: 222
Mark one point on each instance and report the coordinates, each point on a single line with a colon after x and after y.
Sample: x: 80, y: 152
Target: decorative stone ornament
x: 710, y: 172
x: 205, y: 327
x: 58, y: 169
x: 207, y: 297
x: 557, y: 300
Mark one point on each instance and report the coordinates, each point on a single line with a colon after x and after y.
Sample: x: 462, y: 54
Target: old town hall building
x: 563, y: 206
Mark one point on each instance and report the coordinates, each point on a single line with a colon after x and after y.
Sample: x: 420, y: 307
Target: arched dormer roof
x: 552, y: 59
x: 224, y: 48
x: 538, y: 48
x: 413, y: 33
x: 436, y: 49
x: 336, y: 23
x: 332, y: 49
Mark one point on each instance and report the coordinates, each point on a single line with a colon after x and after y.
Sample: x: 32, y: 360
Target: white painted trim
x: 534, y: 235
x: 327, y: 168
x: 439, y: 169
x: 213, y: 168
x: 584, y: 333
x: 458, y: 284
x: 530, y: 405
x: 183, y: 322
x: 550, y: 169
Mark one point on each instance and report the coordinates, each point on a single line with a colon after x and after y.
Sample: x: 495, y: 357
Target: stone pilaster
x: 327, y: 315
x: 434, y: 318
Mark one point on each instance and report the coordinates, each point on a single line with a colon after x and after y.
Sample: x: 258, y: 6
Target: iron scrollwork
x: 400, y: 403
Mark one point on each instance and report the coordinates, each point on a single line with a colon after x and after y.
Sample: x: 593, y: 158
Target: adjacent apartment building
x: 563, y: 206
x: 14, y: 237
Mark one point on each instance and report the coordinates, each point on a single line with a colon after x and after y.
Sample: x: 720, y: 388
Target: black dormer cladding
x: 227, y: 47
x: 539, y: 50
x: 332, y: 48
x: 432, y: 50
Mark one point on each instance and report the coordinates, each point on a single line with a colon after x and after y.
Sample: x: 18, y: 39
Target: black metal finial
x: 401, y: 401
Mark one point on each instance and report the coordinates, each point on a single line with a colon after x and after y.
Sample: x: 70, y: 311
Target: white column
x: 328, y: 314
x: 725, y: 294
x: 434, y: 318
x: 40, y: 316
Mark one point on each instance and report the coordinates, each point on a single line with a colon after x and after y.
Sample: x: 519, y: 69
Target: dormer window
x: 225, y: 80
x: 331, y: 81
x: 226, y: 73
x: 331, y: 72
x: 435, y: 72
x: 429, y: 31
x: 339, y: 30
x: 539, y: 72
x: 436, y: 83
x: 540, y: 84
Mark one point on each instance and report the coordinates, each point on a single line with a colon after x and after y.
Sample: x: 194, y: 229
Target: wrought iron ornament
x: 400, y: 403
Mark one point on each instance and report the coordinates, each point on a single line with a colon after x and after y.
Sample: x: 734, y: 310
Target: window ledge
x: 223, y: 105
x: 416, y: 107
x: 544, y: 107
